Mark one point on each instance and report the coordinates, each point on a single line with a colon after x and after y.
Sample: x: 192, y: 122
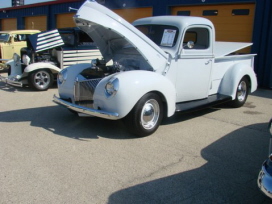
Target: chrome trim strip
x: 87, y: 111
x: 11, y: 82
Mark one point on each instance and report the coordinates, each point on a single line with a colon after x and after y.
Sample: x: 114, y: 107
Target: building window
x: 210, y: 13
x: 184, y: 13
x: 240, y: 12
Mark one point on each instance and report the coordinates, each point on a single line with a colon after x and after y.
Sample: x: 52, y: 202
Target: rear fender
x: 233, y: 76
x: 41, y: 65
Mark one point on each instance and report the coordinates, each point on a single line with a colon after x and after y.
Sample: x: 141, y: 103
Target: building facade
x: 234, y: 20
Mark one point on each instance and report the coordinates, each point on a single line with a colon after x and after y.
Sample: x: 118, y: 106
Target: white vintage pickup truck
x: 161, y: 65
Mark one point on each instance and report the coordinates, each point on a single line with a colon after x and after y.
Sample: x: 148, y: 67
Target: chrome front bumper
x: 86, y: 111
x: 12, y: 82
x: 265, y: 180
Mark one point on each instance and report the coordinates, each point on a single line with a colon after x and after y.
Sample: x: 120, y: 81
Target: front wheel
x: 146, y: 116
x: 241, y: 93
x: 41, y: 80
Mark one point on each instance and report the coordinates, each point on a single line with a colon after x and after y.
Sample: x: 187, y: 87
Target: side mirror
x: 190, y: 44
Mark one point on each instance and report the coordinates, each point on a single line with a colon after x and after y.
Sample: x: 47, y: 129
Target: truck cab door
x: 7, y: 49
x: 194, y: 64
x: 19, y: 41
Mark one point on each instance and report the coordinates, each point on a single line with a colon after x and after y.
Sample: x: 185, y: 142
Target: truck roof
x: 178, y: 21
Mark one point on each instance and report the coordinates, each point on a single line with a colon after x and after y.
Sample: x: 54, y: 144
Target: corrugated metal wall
x: 262, y: 38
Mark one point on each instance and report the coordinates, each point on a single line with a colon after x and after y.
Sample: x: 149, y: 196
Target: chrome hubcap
x: 42, y: 79
x: 242, y: 91
x: 150, y: 114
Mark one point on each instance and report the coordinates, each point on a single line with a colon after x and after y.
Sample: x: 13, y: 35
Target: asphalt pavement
x: 50, y: 155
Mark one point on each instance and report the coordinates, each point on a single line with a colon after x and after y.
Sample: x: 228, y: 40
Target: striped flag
x: 46, y: 40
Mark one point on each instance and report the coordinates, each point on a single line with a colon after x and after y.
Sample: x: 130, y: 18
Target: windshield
x: 162, y: 35
x: 68, y: 38
x: 4, y: 37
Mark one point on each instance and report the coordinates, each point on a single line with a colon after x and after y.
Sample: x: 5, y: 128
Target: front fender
x: 41, y: 65
x: 132, y: 86
x: 233, y: 76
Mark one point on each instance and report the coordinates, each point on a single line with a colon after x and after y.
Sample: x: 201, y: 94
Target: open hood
x: 45, y: 40
x: 112, y: 34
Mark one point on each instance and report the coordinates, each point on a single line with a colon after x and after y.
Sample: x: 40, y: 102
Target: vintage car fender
x: 41, y: 65
x: 233, y: 76
x: 132, y: 86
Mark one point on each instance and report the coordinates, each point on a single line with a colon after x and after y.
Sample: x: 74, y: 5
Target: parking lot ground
x: 49, y: 155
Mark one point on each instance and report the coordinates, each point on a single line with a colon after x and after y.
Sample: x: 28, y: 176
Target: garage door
x: 36, y: 22
x: 132, y: 14
x: 233, y: 23
x: 9, y: 24
x: 65, y: 20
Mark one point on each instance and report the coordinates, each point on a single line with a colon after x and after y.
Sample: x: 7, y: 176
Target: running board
x: 203, y: 103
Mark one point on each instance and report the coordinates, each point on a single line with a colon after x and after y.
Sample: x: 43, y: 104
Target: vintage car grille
x: 84, y: 91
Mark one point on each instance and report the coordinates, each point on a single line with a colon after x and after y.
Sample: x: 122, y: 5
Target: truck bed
x: 222, y: 49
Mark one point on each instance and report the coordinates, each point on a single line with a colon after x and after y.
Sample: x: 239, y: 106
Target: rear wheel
x: 41, y: 80
x: 146, y: 116
x: 241, y: 93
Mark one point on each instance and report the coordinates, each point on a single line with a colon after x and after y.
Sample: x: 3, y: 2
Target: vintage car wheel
x: 146, y: 116
x: 241, y: 93
x: 41, y: 80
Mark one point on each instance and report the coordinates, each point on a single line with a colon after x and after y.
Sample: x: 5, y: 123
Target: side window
x: 85, y: 40
x: 199, y: 36
x: 68, y: 38
x: 19, y: 37
x: 190, y: 36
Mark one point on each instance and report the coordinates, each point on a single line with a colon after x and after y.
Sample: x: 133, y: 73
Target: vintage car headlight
x: 26, y: 59
x: 112, y: 87
x: 62, y: 76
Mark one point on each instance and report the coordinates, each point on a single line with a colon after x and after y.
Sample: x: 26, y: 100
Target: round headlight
x: 62, y: 76
x: 112, y: 87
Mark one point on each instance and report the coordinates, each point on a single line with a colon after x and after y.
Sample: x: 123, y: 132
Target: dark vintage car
x: 265, y: 176
x: 46, y: 54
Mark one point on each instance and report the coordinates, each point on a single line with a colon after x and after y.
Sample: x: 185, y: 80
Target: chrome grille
x: 84, y: 90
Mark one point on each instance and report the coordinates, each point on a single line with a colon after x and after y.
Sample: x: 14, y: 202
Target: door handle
x: 208, y: 62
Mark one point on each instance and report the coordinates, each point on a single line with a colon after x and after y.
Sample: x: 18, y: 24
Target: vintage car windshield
x: 68, y: 38
x: 162, y: 35
x: 4, y: 37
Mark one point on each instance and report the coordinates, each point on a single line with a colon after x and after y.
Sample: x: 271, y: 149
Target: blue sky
x: 7, y: 3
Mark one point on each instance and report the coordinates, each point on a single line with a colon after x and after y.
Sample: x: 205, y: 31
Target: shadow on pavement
x: 235, y: 160
x: 62, y: 122
x: 9, y: 88
x: 264, y: 93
